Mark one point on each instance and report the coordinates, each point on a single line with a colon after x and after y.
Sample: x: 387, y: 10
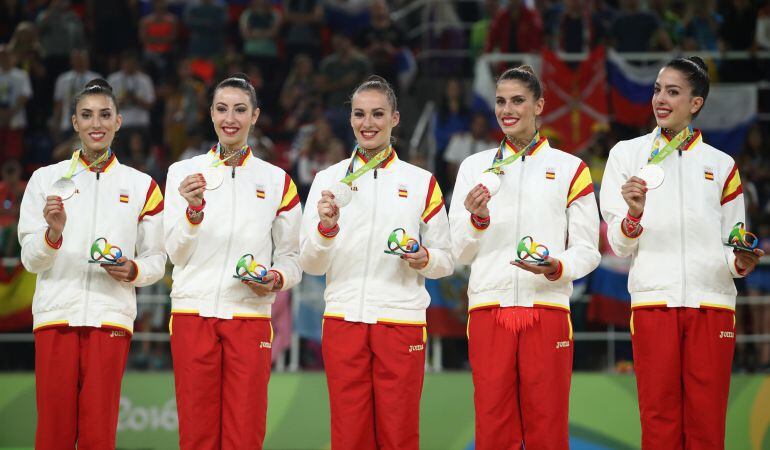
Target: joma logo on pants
x: 416, y: 348
x: 264, y: 344
x: 726, y: 335
x: 562, y: 344
x: 115, y: 333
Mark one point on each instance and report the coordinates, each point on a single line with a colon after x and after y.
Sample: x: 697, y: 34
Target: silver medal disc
x: 653, y: 175
x: 214, y: 177
x: 64, y: 188
x: 342, y: 194
x: 491, y: 181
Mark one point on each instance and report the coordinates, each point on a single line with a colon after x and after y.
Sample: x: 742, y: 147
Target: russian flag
x: 729, y: 113
x: 631, y: 89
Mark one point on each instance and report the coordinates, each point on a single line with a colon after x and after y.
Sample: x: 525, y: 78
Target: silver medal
x: 64, y: 188
x: 653, y: 175
x: 214, y: 178
x: 342, y: 193
x: 491, y: 181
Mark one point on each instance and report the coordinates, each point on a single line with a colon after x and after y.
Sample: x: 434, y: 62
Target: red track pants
x: 375, y: 375
x: 78, y: 371
x: 221, y: 371
x: 521, y: 380
x: 682, y: 359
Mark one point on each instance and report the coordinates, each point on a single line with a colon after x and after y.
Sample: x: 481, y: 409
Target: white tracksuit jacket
x: 679, y: 260
x: 547, y: 195
x: 255, y: 211
x: 121, y: 204
x: 363, y: 284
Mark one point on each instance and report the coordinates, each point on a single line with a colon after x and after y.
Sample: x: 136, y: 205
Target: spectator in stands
x: 313, y: 155
x: 60, y: 30
x: 158, y: 34
x: 452, y: 116
x: 603, y: 16
x: 763, y: 28
x: 702, y: 24
x: 261, y: 145
x: 738, y: 33
x: 259, y: 25
x: 15, y: 91
x: 136, y: 95
x: 515, y: 29
x: 637, y: 30
x: 184, y: 106
x: 381, y: 41
x: 480, y: 28
x: 299, y: 98
x: 207, y: 22
x: 346, y: 16
x: 739, y: 27
x: 67, y: 86
x: 11, y: 191
x: 573, y: 31
x: 303, y: 20
x: 28, y: 54
x: 340, y: 73
x: 465, y: 144
x: 671, y: 15
x: 114, y: 25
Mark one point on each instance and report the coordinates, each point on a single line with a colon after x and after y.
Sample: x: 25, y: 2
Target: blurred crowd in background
x: 304, y: 58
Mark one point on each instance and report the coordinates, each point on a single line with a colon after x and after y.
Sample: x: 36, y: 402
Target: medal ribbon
x: 218, y: 162
x: 74, y: 163
x: 371, y: 164
x: 498, y: 162
x: 658, y: 155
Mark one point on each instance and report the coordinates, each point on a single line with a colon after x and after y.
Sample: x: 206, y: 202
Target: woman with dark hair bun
x: 376, y: 227
x: 232, y: 233
x: 674, y: 204
x: 524, y: 218
x: 84, y: 313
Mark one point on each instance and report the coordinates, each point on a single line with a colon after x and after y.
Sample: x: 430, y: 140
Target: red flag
x: 576, y: 100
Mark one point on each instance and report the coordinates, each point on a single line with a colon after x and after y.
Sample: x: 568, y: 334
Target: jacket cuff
x: 559, y: 271
x: 136, y: 271
x: 53, y: 245
x: 480, y: 223
x: 328, y: 233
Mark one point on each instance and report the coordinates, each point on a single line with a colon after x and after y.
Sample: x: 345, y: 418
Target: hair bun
x: 376, y: 79
x: 98, y: 82
x: 699, y: 62
x: 526, y: 68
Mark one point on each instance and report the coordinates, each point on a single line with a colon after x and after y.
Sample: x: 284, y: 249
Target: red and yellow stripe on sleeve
x: 581, y: 184
x: 434, y: 201
x: 733, y: 187
x: 153, y: 204
x: 290, y: 197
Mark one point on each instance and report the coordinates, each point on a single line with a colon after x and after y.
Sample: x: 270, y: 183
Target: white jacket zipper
x: 92, y: 238
x: 368, y: 250
x: 682, y: 232
x: 233, y: 211
x: 516, y: 232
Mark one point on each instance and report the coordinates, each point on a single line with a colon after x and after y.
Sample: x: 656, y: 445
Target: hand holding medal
x: 213, y: 175
x: 652, y: 173
x: 64, y: 187
x: 490, y: 178
x: 341, y: 191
